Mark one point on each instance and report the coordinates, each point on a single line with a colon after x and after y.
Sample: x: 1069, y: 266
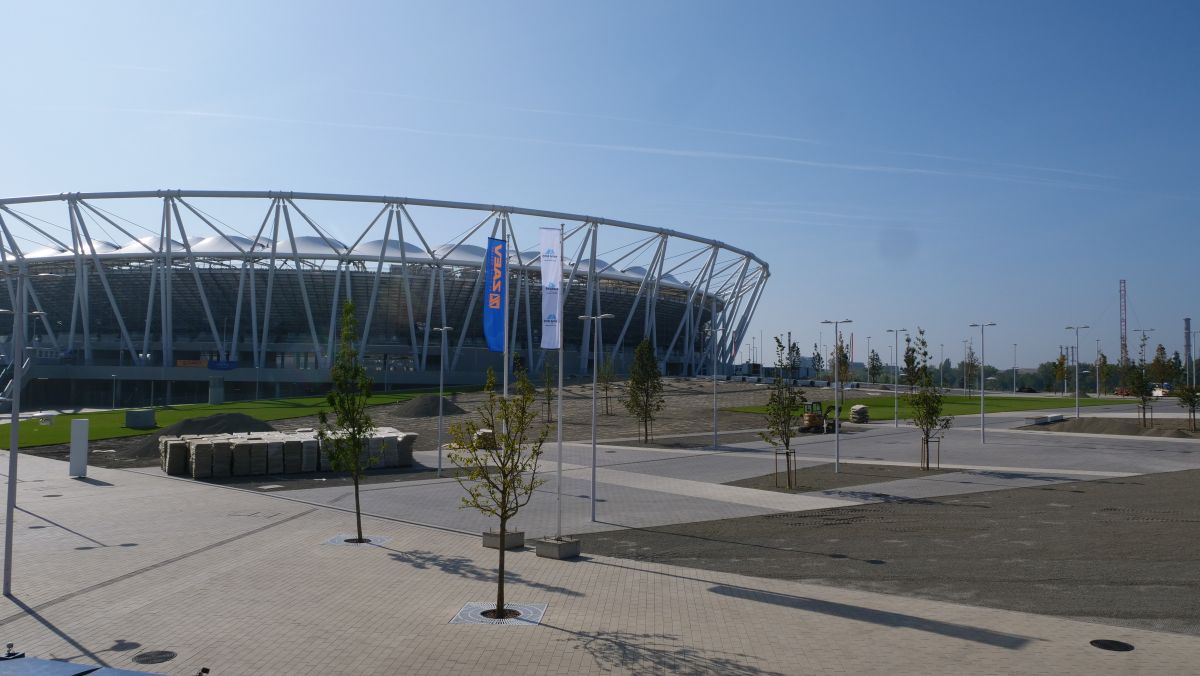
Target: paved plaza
x: 244, y: 580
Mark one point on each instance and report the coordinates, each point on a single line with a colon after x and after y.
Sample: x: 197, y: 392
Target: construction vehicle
x: 814, y: 419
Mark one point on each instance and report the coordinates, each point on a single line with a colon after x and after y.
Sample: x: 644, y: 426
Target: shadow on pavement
x: 656, y: 654
x: 464, y: 567
x: 881, y: 617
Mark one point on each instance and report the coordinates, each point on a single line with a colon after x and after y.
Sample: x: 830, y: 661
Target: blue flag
x: 495, y: 271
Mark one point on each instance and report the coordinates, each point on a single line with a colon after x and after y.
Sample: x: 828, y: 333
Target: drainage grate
x: 1109, y: 644
x: 154, y: 657
x: 530, y: 614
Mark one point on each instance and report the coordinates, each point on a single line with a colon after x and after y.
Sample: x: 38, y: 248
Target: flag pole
x: 504, y: 229
x: 561, y: 349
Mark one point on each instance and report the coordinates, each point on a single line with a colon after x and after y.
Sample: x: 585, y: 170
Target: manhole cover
x: 154, y: 657
x: 1109, y: 644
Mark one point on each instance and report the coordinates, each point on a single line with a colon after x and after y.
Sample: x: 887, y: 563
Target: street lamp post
x: 595, y: 367
x: 114, y: 391
x: 837, y: 410
x: 982, y: 395
x: 1076, y: 330
x: 896, y: 381
x: 1014, y: 368
x: 19, y: 313
x: 711, y: 332
x: 442, y: 330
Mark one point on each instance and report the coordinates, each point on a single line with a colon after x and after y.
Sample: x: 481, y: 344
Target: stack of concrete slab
x: 859, y: 414
x: 202, y: 456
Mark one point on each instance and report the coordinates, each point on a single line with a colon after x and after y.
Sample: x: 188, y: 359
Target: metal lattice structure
x: 275, y: 267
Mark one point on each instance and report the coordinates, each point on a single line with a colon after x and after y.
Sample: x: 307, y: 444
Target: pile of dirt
x: 221, y: 423
x: 1164, y: 427
x: 426, y: 406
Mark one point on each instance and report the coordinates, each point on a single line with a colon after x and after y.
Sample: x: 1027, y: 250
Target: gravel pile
x: 426, y: 406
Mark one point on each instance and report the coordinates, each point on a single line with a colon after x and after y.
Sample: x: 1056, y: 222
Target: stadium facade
x: 179, y: 295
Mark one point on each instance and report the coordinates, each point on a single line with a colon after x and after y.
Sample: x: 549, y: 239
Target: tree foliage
x: 970, y: 369
x: 1140, y: 387
x: 1161, y: 369
x: 1101, y: 370
x: 1060, y: 372
x: 926, y: 401
x: 1189, y: 399
x: 643, y: 394
x: 606, y: 377
x: 818, y: 362
x: 874, y: 366
x: 500, y: 469
x: 782, y: 404
x: 911, y: 360
x: 347, y: 435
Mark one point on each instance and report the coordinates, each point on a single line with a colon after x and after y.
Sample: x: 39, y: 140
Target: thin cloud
x: 623, y: 148
x: 126, y: 66
x: 1026, y: 167
x: 593, y: 116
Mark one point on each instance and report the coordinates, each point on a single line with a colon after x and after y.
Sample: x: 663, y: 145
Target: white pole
x: 561, y: 349
x: 982, y: 392
x: 558, y: 493
x: 595, y: 369
x: 14, y: 431
x: 1076, y: 328
x: 896, y: 383
x: 713, y: 339
x: 504, y: 229
x: 1014, y: 368
x: 441, y: 392
x: 837, y: 408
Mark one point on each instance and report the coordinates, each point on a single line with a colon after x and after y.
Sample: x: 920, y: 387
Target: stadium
x: 174, y: 296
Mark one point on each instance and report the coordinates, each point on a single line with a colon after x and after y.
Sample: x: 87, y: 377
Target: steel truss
x: 654, y: 270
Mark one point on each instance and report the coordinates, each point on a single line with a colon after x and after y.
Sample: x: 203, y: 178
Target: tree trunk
x: 357, y: 507
x: 500, y: 577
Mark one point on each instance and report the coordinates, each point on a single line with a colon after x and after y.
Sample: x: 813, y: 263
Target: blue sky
x: 900, y: 164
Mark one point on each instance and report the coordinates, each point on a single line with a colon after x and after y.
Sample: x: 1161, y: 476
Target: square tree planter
x: 512, y: 540
x: 550, y: 548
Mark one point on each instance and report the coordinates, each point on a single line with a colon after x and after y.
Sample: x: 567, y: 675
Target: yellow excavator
x: 814, y: 418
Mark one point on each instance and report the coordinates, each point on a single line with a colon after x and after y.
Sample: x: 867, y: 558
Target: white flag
x: 551, y: 257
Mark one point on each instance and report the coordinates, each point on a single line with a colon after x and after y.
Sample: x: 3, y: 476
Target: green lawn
x: 111, y: 424
x: 880, y: 407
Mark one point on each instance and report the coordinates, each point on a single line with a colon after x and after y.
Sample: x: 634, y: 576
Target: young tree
x: 818, y: 362
x: 1101, y: 370
x: 1060, y: 372
x: 926, y: 401
x: 782, y: 403
x: 874, y: 367
x: 606, y: 377
x: 643, y: 395
x: 346, y: 437
x: 1159, y: 369
x: 970, y: 370
x: 910, y: 363
x: 843, y: 358
x: 1189, y: 398
x: 1178, y: 374
x: 500, y: 470
x: 1139, y: 386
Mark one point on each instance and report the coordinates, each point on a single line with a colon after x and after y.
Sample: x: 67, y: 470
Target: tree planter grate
x: 1109, y: 644
x: 530, y: 614
x: 371, y: 540
x: 154, y: 657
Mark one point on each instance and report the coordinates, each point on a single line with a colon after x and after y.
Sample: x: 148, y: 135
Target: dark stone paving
x: 1121, y: 551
